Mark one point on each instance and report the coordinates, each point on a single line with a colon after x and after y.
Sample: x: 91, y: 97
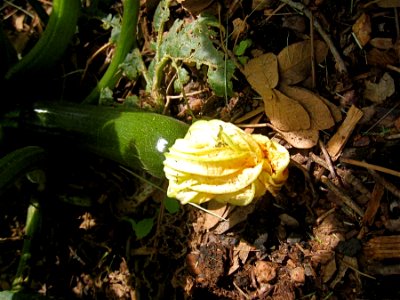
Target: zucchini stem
x: 126, y: 41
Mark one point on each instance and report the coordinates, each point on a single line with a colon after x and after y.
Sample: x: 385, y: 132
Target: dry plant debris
x: 297, y: 113
x: 332, y: 232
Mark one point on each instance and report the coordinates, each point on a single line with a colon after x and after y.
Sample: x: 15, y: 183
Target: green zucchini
x: 54, y: 41
x: 134, y: 139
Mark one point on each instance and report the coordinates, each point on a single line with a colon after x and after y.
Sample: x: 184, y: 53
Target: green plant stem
x: 18, y: 162
x: 31, y: 229
x: 126, y: 41
x: 53, y: 43
x: 158, y: 76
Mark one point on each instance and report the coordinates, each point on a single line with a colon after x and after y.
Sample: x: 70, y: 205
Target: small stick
x: 339, y: 139
x: 396, y: 19
x: 301, y: 7
x: 387, y: 184
x: 346, y: 199
x: 369, y: 166
x: 382, y: 118
x: 373, y: 204
x: 314, y: 82
x: 328, y: 159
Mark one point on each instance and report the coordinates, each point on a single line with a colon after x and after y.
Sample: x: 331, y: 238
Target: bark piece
x: 382, y: 247
x: 338, y: 141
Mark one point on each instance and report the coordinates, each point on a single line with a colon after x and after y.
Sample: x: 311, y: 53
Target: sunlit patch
x: 161, y: 145
x: 219, y: 161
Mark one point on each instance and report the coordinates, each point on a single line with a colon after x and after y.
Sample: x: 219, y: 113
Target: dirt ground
x: 331, y: 233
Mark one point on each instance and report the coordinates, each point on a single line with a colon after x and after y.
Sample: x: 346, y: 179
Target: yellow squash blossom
x: 219, y: 161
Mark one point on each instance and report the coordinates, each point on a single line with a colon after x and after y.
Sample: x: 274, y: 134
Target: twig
x: 275, y: 11
x: 328, y: 159
x: 380, y: 120
x: 339, y: 61
x: 314, y: 82
x: 373, y: 204
x: 346, y: 199
x: 387, y: 184
x: 396, y: 19
x: 369, y: 166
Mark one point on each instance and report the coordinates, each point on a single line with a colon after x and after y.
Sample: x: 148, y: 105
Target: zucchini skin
x: 54, y: 41
x: 18, y: 162
x: 134, y: 139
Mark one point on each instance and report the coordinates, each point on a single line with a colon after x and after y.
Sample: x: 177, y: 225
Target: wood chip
x: 373, y: 204
x: 382, y: 247
x: 338, y: 141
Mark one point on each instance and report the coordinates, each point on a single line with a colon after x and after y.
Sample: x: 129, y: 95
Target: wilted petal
x: 219, y: 161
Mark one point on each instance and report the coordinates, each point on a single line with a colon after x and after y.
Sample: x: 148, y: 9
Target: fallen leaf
x: 381, y: 43
x: 239, y: 28
x: 235, y: 217
x: 378, y: 92
x: 362, y: 29
x: 320, y: 114
x: 376, y: 57
x: 265, y: 271
x: 240, y: 252
x: 294, y: 61
x: 258, y: 5
x: 262, y: 72
x: 195, y: 6
x: 328, y: 270
x: 388, y: 3
x: 220, y: 209
x: 301, y: 139
x: 285, y: 113
x: 298, y: 275
x: 335, y: 111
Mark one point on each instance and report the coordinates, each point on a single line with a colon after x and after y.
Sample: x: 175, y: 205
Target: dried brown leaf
x: 378, y: 92
x: 239, y: 28
x: 240, y: 254
x: 335, y: 111
x: 388, y: 3
x: 236, y: 216
x: 301, y: 139
x: 195, y: 6
x: 219, y: 209
x: 320, y: 114
x: 262, y: 72
x: 294, y: 61
x: 382, y: 43
x: 285, y: 113
x: 362, y: 29
x: 376, y: 57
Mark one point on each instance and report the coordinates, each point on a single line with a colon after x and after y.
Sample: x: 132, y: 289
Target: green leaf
x: 181, y: 80
x: 192, y: 44
x: 240, y: 49
x: 113, y: 22
x: 130, y: 66
x: 243, y: 59
x: 171, y: 205
x: 161, y: 15
x: 106, y: 96
x: 143, y: 227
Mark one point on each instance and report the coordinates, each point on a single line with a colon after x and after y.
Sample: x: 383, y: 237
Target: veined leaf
x: 192, y: 44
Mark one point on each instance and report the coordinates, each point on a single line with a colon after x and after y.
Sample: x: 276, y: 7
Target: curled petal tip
x: 219, y: 161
